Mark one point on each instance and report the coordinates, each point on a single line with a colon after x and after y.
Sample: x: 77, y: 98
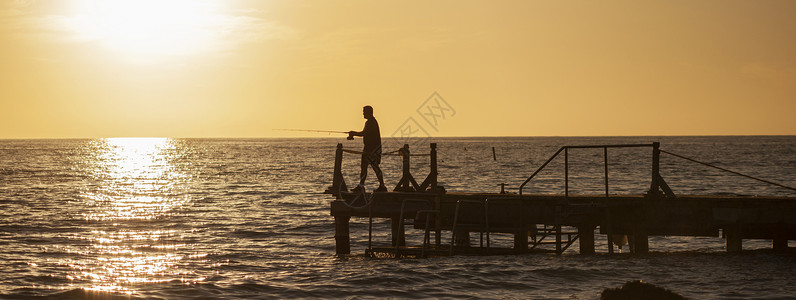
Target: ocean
x: 161, y: 218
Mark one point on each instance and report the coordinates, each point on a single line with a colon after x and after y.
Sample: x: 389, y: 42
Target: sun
x: 148, y: 27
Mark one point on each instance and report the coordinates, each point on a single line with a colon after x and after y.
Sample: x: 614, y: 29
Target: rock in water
x: 639, y: 290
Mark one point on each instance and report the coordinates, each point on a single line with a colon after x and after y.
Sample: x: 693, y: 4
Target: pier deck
x: 637, y: 216
x: 552, y: 223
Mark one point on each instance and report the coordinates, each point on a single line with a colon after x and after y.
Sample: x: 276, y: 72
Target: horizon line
x: 389, y: 137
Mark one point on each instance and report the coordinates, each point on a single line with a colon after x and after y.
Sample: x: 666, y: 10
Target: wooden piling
x: 609, y: 231
x: 341, y: 235
x: 338, y: 182
x: 780, y: 243
x: 398, y: 233
x: 462, y: 238
x: 586, y: 238
x: 494, y: 156
x: 733, y: 239
x: 559, y: 246
x: 521, y: 241
x: 641, y: 244
x: 437, y: 222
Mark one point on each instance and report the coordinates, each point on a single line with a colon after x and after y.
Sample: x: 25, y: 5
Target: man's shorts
x: 372, y: 157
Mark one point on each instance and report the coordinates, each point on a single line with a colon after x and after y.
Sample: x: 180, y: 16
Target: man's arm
x: 352, y: 134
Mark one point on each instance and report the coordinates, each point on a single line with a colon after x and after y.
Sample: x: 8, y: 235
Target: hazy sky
x: 530, y: 68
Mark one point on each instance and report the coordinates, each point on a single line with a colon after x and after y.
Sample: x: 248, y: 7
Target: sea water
x: 246, y: 218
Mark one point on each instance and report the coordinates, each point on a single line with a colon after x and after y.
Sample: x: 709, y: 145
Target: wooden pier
x: 550, y: 223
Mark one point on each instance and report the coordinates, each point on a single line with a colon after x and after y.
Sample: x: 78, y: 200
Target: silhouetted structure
x: 553, y: 222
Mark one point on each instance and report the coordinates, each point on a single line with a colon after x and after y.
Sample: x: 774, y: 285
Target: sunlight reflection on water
x: 245, y: 218
x: 137, y: 176
x: 135, y: 185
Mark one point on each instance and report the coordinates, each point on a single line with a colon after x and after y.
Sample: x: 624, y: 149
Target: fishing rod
x: 313, y: 130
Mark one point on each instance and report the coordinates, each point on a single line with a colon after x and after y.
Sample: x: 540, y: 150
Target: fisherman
x: 371, y: 153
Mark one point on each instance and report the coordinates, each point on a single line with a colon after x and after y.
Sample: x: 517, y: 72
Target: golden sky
x: 234, y: 68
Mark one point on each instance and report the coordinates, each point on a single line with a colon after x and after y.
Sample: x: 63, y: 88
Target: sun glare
x: 147, y: 27
x: 139, y: 188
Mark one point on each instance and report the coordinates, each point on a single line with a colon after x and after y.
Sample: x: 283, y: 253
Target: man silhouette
x: 371, y: 152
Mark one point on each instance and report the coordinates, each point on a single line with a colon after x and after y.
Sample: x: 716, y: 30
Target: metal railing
x: 656, y: 180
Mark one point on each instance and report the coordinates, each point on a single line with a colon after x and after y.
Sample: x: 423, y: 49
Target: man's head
x: 367, y: 111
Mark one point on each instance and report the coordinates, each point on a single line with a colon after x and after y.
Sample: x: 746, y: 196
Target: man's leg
x: 363, y: 171
x: 378, y: 173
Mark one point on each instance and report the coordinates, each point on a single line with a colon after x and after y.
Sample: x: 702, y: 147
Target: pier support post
x: 780, y: 244
x: 398, y: 233
x: 641, y: 244
x: 609, y: 231
x: 462, y: 238
x: 341, y: 235
x: 733, y: 237
x: 586, y: 237
x: 521, y: 240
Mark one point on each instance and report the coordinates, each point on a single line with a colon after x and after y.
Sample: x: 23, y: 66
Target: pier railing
x: 657, y: 182
x: 407, y: 183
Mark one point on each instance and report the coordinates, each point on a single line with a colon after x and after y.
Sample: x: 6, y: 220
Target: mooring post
x: 586, y: 237
x: 341, y: 235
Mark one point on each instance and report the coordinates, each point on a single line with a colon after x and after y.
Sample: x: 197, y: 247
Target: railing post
x: 566, y: 172
x: 560, y: 206
x: 605, y: 155
x: 338, y: 182
x: 433, y: 167
x: 431, y: 180
x: 656, y: 157
x: 405, y: 157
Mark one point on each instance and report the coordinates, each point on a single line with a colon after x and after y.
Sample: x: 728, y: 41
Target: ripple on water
x: 171, y: 218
